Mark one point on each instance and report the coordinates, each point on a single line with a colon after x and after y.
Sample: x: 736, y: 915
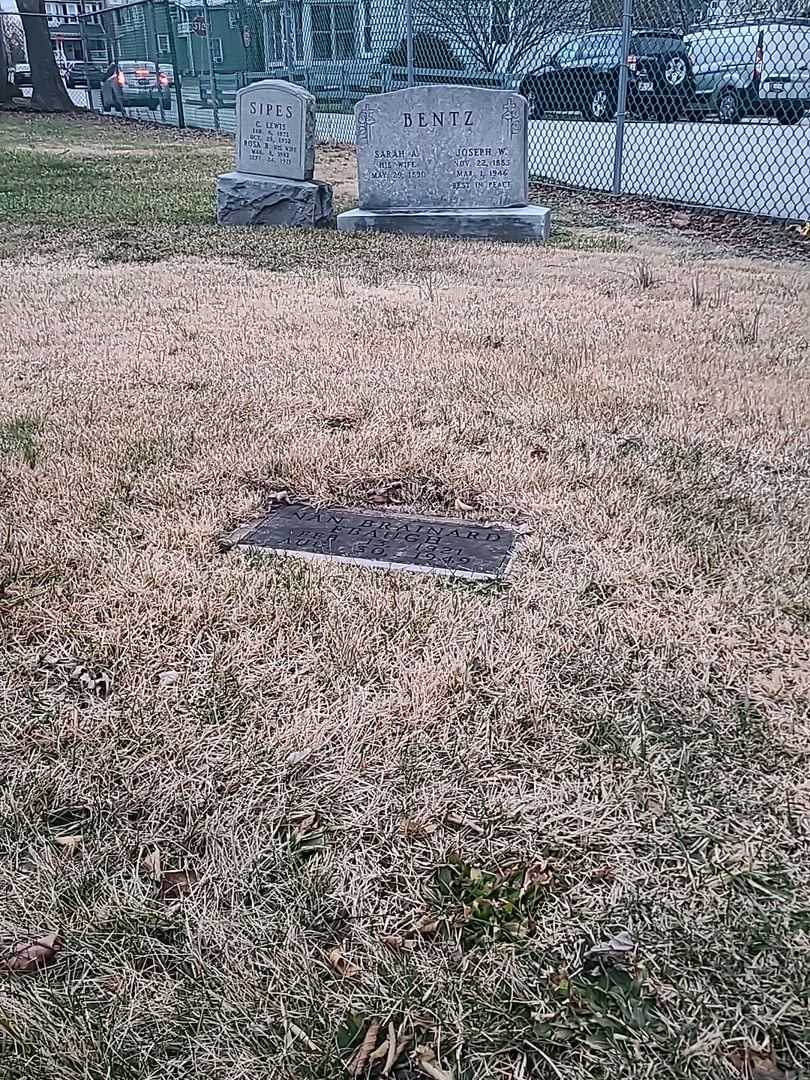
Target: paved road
x: 755, y: 167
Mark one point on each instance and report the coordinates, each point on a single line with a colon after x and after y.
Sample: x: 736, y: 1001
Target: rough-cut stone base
x: 245, y: 199
x: 513, y: 223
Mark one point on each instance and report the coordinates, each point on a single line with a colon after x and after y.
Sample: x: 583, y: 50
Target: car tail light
x: 121, y: 78
x: 757, y: 72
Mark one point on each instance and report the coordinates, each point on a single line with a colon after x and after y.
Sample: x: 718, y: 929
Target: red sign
x: 198, y: 27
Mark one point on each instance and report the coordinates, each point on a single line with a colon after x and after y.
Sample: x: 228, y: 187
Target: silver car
x: 134, y: 84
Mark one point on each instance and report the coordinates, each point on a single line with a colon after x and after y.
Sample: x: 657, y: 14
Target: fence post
x: 109, y: 37
x: 286, y: 39
x: 210, y: 45
x: 621, y: 104
x: 344, y: 96
x: 409, y: 40
x: 178, y: 88
x: 152, y: 47
x: 86, y: 51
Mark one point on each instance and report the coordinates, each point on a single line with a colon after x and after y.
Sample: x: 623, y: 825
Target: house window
x: 500, y: 22
x: 333, y: 31
x: 163, y: 43
x: 275, y: 41
x: 298, y: 30
x: 216, y: 49
x: 367, y: 26
x: 276, y: 33
x: 233, y: 20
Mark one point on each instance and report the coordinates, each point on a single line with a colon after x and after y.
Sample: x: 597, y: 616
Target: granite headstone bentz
x: 275, y: 160
x: 448, y: 160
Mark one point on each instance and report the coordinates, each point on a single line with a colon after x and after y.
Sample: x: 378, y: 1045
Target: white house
x: 65, y: 29
x: 334, y: 30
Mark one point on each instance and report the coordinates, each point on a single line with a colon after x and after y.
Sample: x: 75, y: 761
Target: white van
x: 752, y: 67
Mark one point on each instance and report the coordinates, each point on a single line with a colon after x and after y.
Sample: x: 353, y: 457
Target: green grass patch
x: 45, y: 188
x: 18, y: 436
x: 121, y: 194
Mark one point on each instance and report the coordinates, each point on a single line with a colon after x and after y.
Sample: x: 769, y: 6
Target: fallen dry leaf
x: 69, y: 844
x: 537, y: 873
x: 428, y: 1063
x: 603, y: 873
x: 278, y: 498
x: 681, y: 220
x: 299, y: 756
x: 393, y: 941
x: 385, y: 493
x: 463, y: 506
x: 412, y: 829
x: 396, y: 1048
x: 380, y: 1053
x: 167, y: 679
x: 342, y: 965
x: 176, y: 884
x: 458, y: 821
x: 615, y: 948
x: 307, y: 825
x: 361, y: 1058
x: 153, y: 865
x: 93, y: 680
x: 33, y: 955
x: 757, y: 1065
x: 427, y: 926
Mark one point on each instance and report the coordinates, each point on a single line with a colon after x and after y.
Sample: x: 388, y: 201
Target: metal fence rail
x: 704, y: 105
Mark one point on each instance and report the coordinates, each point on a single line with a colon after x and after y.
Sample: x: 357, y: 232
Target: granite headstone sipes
x: 275, y: 159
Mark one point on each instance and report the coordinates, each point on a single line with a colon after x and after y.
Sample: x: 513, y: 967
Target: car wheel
x: 789, y: 115
x: 676, y: 71
x: 729, y: 108
x: 601, y: 104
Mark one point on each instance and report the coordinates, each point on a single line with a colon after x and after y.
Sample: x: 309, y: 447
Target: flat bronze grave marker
x: 390, y: 541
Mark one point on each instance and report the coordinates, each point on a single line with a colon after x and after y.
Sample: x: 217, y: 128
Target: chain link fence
x: 705, y: 105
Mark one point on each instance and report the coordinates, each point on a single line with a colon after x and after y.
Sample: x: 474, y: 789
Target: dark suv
x: 583, y: 76
x: 84, y: 73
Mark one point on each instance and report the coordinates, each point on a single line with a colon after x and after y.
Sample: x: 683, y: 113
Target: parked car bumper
x: 145, y: 99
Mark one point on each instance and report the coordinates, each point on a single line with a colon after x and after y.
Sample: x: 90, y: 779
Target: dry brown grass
x: 632, y: 708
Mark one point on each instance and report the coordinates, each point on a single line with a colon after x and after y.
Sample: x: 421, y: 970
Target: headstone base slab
x: 247, y: 199
x: 512, y: 224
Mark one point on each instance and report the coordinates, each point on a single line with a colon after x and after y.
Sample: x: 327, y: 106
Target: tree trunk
x: 50, y: 94
x: 6, y: 90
